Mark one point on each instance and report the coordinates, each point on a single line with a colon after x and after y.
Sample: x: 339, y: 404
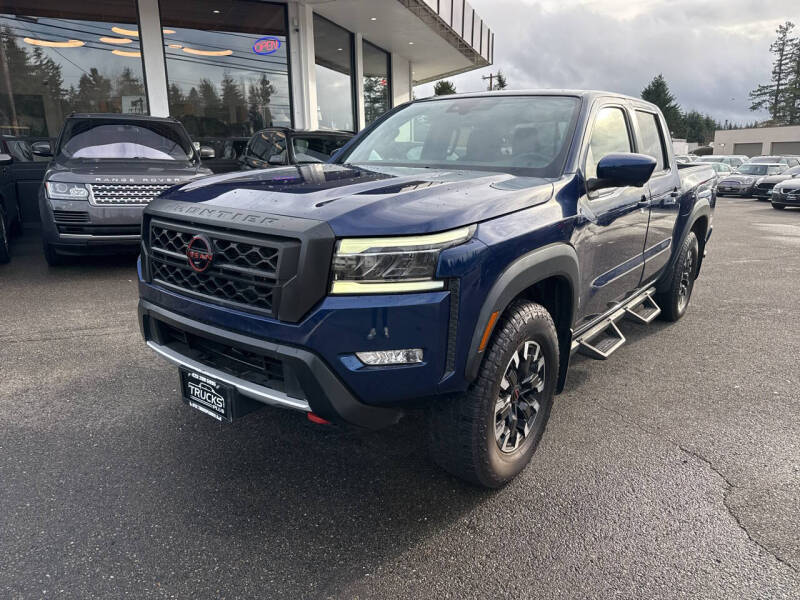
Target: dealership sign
x: 266, y: 45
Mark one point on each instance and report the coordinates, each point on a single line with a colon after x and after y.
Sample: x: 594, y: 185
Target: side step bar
x: 605, y: 338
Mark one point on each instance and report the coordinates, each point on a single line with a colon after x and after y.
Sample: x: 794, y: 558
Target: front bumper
x: 79, y: 227
x: 792, y: 199
x: 762, y: 192
x: 309, y: 385
x: 735, y: 189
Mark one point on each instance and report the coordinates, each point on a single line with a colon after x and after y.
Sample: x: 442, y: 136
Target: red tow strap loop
x: 317, y: 419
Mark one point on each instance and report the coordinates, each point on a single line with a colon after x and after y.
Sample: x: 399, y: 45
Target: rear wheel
x: 778, y: 206
x: 489, y: 434
x: 675, y: 300
x: 5, y: 247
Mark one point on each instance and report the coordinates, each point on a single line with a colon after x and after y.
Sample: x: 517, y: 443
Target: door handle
x: 644, y: 202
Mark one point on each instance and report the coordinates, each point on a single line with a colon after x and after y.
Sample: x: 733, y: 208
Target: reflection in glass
x: 227, y: 67
x: 376, y: 82
x: 54, y: 61
x: 333, y: 50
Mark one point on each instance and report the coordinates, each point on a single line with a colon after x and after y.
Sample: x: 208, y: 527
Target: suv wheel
x: 5, y: 248
x: 489, y: 434
x: 53, y: 258
x: 778, y: 206
x: 675, y: 300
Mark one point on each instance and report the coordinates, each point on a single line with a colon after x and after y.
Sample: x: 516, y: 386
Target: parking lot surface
x: 671, y: 470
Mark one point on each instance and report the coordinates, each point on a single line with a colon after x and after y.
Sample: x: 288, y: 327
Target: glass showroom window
x: 227, y: 69
x: 333, y: 52
x: 377, y: 89
x: 60, y: 56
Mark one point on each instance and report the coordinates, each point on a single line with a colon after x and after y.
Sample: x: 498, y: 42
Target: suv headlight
x: 748, y: 180
x: 66, y: 191
x: 392, y: 264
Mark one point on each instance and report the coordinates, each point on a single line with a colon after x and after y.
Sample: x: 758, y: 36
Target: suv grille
x: 246, y: 271
x: 126, y: 193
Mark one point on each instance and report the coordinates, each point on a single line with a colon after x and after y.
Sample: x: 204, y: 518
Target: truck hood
x: 124, y: 171
x: 375, y: 201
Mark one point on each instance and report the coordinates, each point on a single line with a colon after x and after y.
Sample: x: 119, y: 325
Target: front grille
x: 765, y: 187
x: 247, y: 270
x: 240, y: 362
x: 70, y: 216
x: 126, y: 193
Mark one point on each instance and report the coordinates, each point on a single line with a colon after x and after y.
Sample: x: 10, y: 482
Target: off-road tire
x: 675, y: 300
x: 462, y: 427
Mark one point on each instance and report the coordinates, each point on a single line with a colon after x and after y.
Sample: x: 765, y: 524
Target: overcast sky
x: 712, y: 52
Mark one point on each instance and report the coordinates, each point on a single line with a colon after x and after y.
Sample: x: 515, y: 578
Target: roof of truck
x: 588, y: 94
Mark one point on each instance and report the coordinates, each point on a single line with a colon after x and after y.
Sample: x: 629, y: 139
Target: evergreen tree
x: 500, y: 81
x: 657, y: 92
x: 444, y: 87
x: 232, y: 100
x: 793, y: 92
x: 209, y: 98
x: 94, y: 92
x: 258, y: 99
x: 175, y: 96
x: 776, y: 97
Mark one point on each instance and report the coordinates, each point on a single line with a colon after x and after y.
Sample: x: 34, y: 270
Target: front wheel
x: 489, y: 434
x: 5, y: 244
x: 778, y: 206
x: 53, y: 258
x: 675, y: 300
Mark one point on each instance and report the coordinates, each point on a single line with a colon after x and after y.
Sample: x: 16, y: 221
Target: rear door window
x: 652, y: 139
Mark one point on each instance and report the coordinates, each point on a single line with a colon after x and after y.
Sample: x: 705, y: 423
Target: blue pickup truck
x: 450, y: 258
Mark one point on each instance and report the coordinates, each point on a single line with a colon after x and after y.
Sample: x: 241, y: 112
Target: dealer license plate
x: 207, y: 395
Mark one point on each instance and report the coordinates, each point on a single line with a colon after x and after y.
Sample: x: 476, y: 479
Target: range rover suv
x: 106, y: 169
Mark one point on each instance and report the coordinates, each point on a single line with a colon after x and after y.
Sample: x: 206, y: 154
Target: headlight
x: 66, y: 191
x: 389, y: 265
x: 748, y: 180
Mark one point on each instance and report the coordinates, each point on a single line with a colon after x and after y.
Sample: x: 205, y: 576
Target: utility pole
x: 490, y: 77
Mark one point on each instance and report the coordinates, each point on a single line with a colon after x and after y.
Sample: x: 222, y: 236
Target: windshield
x: 526, y: 135
x: 720, y: 167
x: 751, y: 169
x: 316, y: 149
x: 111, y: 139
x: 764, y: 159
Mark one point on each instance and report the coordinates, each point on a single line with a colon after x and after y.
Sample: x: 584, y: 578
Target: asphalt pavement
x: 672, y: 470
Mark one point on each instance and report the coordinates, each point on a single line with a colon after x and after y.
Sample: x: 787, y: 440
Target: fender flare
x: 553, y: 260
x: 701, y: 208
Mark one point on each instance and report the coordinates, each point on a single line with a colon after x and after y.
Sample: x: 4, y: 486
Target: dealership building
x: 758, y: 141
x: 227, y: 68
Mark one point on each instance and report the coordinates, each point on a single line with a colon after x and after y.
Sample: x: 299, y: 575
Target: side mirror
x: 5, y: 159
x: 42, y: 149
x: 207, y: 152
x: 622, y: 170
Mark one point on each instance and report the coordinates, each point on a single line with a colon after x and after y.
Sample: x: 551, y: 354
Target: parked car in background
x: 789, y: 161
x: 683, y: 159
x: 451, y: 258
x: 764, y: 185
x: 106, y: 169
x: 743, y: 182
x: 786, y: 193
x: 226, y: 153
x: 732, y: 160
x: 281, y: 146
x: 721, y: 169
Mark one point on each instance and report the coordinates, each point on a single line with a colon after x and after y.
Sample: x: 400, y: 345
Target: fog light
x: 391, y: 357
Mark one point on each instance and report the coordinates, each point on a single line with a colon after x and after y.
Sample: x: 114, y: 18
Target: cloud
x: 712, y: 53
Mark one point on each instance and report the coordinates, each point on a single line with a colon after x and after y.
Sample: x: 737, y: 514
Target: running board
x: 644, y: 312
x: 604, y: 338
x: 603, y: 343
